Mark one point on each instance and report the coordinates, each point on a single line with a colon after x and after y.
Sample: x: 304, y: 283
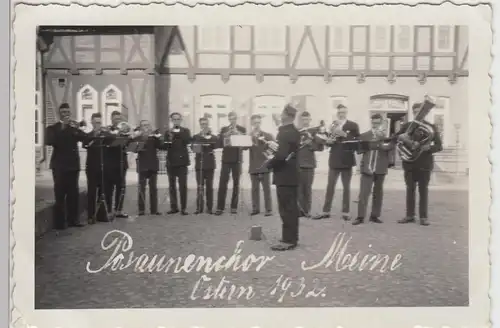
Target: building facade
x: 149, y: 72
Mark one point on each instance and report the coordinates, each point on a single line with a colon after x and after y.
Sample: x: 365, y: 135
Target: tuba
x: 419, y: 134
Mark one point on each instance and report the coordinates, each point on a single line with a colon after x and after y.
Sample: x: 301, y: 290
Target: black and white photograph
x: 227, y: 165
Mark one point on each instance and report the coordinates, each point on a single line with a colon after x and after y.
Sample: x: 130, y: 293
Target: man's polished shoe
x: 424, y: 222
x: 408, y: 219
x: 346, y: 217
x: 254, y: 213
x: 375, y: 219
x: 269, y: 213
x: 210, y: 212
x: 358, y: 220
x: 282, y: 246
x: 173, y: 212
x: 219, y: 212
x: 77, y: 225
x: 183, y: 212
x: 197, y: 212
x: 121, y: 215
x: 155, y: 213
x: 321, y: 216
x: 141, y: 214
x: 234, y: 211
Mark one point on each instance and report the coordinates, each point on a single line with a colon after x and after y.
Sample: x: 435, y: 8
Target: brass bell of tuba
x: 419, y: 134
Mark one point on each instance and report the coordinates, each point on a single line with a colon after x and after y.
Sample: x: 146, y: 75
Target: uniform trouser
x: 412, y: 179
x: 148, y: 177
x: 97, y: 199
x: 205, y: 183
x: 289, y: 212
x: 333, y: 176
x: 116, y: 181
x: 233, y: 169
x: 306, y: 180
x: 257, y: 179
x: 177, y: 173
x: 66, y: 192
x: 367, y: 182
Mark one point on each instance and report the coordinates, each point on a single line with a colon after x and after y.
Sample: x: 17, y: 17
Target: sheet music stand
x: 121, y: 142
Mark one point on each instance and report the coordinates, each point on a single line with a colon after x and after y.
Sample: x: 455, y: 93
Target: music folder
x: 120, y: 142
x: 136, y: 146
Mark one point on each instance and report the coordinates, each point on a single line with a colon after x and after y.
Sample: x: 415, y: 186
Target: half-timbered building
x: 148, y: 72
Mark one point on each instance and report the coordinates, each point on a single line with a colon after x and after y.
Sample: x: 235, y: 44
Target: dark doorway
x: 396, y: 120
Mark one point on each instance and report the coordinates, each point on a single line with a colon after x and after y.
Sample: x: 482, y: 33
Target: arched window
x: 87, y: 104
x: 215, y: 108
x: 111, y: 101
x: 270, y: 108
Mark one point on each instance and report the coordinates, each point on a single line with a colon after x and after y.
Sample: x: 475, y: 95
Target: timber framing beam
x: 256, y: 71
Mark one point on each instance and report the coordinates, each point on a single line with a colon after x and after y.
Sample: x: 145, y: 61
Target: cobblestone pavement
x: 434, y: 269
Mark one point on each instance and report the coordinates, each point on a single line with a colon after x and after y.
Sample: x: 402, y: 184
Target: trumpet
x: 335, y: 132
x: 317, y: 133
x: 122, y: 128
x: 75, y: 124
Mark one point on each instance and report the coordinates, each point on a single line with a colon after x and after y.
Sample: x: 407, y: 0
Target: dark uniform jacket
x: 65, y: 154
x: 340, y: 158
x: 376, y: 158
x: 206, y: 159
x: 426, y: 160
x: 257, y: 157
x: 97, y: 146
x: 230, y: 154
x: 306, y: 156
x: 147, y: 156
x: 286, y: 173
x: 177, y: 151
x: 116, y: 155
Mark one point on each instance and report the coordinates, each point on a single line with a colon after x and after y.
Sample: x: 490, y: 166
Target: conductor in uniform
x: 65, y: 166
x: 285, y: 168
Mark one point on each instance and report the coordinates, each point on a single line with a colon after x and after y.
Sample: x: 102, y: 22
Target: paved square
x: 433, y: 271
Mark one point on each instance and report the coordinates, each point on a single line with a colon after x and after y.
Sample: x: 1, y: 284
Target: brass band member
x: 285, y: 168
x: 231, y: 164
x: 419, y: 173
x: 340, y: 162
x: 374, y: 164
x: 307, y: 164
x: 178, y: 139
x: 148, y: 166
x: 203, y: 145
x: 99, y: 200
x: 259, y: 174
x: 65, y: 165
x: 117, y: 163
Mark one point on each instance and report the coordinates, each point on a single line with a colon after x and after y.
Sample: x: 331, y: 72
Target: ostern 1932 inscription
x: 338, y: 258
